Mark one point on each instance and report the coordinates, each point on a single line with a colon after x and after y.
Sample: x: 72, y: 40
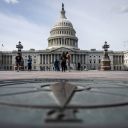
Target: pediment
x: 62, y: 49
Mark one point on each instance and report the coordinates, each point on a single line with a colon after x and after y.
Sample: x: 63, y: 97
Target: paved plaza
x: 115, y: 75
x: 78, y: 99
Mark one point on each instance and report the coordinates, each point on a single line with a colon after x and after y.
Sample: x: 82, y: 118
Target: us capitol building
x: 63, y: 38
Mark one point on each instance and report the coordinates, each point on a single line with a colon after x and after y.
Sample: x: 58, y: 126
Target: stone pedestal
x: 105, y: 62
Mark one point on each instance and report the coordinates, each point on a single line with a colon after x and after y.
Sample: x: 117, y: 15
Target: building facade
x: 62, y: 39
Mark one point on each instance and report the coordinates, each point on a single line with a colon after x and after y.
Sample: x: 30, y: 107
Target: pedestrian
x: 29, y: 63
x: 68, y: 58
x: 18, y: 59
x: 79, y: 66
x: 56, y: 65
x: 63, y: 62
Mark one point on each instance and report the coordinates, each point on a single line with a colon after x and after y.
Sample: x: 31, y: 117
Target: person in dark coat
x: 29, y: 63
x: 63, y: 62
x: 79, y: 66
x: 18, y: 59
x: 56, y: 65
x: 68, y: 60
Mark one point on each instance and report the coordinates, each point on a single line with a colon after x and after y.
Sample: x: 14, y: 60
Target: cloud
x: 11, y: 1
x: 121, y: 9
x: 17, y: 28
x: 94, y: 23
x: 124, y: 9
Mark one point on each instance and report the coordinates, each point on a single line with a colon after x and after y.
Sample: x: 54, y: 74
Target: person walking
x: 63, y: 62
x: 56, y: 65
x: 18, y: 59
x: 79, y: 66
x: 68, y: 58
x: 29, y: 63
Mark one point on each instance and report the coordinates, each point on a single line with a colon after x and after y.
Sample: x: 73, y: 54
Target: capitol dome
x: 63, y: 34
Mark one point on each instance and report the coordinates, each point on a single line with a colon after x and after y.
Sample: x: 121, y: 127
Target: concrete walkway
x: 26, y: 103
x: 108, y: 75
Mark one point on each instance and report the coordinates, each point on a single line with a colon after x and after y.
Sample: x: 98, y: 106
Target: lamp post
x: 20, y: 47
x: 105, y: 62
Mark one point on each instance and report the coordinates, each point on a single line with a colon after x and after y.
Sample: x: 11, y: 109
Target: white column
x: 74, y: 44
x: 54, y: 57
x: 58, y: 41
x: 55, y: 42
x: 84, y: 59
x: 79, y: 58
x: 5, y: 59
x: 38, y: 62
x: 118, y: 60
x: 9, y: 61
x: 45, y: 59
x: 52, y: 42
x: 76, y: 60
x: 42, y: 59
x: 73, y: 58
x: 49, y: 42
x: 51, y: 58
x: 121, y: 60
x: 68, y: 41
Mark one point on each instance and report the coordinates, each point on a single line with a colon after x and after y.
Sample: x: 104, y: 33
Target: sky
x: 95, y: 22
